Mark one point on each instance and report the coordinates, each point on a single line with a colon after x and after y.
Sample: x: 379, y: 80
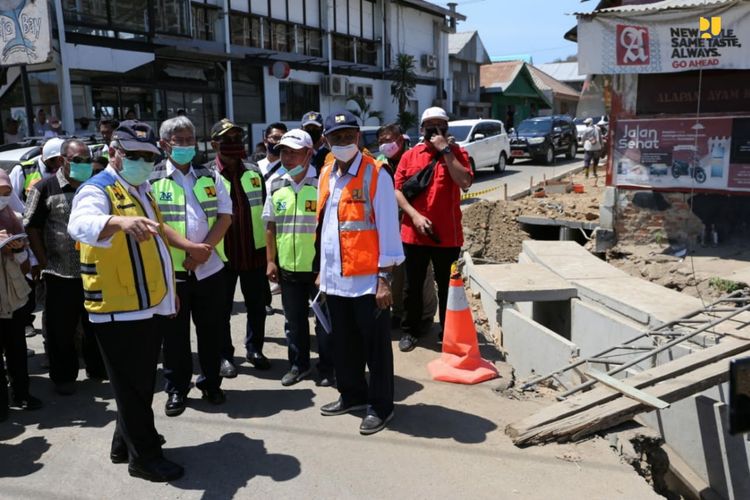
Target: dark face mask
x: 273, y: 149
x: 232, y: 149
x: 315, y: 135
x: 429, y: 132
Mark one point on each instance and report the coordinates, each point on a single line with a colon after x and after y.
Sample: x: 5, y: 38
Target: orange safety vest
x: 358, y: 235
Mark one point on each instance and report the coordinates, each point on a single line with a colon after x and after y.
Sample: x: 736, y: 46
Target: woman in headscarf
x: 14, y: 291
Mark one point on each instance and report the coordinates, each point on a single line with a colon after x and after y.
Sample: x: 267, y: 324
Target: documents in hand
x: 321, y: 312
x: 15, y: 237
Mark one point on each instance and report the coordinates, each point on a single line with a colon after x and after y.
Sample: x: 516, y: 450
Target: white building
x: 255, y: 61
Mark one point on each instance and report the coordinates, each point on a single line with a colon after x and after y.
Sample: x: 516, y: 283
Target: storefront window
x: 247, y: 85
x: 172, y: 17
x: 204, y: 22
x: 297, y: 98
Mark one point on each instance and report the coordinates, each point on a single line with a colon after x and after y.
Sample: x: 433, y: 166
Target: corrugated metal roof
x: 500, y: 74
x: 457, y: 41
x: 563, y: 71
x: 659, y: 6
x: 546, y: 82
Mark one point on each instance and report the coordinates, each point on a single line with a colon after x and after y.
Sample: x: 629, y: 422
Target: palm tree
x: 364, y: 112
x: 404, y: 83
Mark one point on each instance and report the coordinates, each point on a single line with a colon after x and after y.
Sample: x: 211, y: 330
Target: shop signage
x: 664, y: 42
x: 24, y: 32
x: 683, y: 153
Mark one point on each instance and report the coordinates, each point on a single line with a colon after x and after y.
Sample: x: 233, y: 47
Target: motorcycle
x: 694, y: 170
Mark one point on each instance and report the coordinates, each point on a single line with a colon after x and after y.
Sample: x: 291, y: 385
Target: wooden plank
x: 621, y: 410
x: 600, y: 395
x: 628, y: 390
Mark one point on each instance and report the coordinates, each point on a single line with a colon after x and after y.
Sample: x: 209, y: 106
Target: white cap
x: 51, y: 148
x: 296, y: 139
x: 434, y: 112
x: 588, y: 121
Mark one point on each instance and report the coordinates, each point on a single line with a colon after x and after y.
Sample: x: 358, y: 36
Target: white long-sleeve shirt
x: 18, y: 178
x: 386, y: 222
x: 88, y: 216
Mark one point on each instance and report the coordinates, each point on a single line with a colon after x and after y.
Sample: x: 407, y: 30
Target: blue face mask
x: 296, y: 171
x: 81, y: 172
x: 182, y: 155
x: 136, y: 172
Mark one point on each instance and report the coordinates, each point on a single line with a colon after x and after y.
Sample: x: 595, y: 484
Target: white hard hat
x: 434, y: 112
x: 51, y: 148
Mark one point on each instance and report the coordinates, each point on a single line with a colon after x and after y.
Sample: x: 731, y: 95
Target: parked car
x: 485, y: 141
x: 543, y: 138
x: 13, y: 154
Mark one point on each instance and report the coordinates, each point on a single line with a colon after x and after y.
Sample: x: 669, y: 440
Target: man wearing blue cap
x: 359, y: 245
x: 312, y: 123
x: 129, y: 290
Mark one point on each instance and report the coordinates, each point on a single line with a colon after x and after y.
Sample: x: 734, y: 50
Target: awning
x: 665, y: 37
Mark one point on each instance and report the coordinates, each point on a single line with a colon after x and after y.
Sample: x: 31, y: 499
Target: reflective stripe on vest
x: 252, y: 184
x: 31, y: 175
x: 128, y: 275
x: 173, y: 205
x: 358, y: 235
x: 296, y: 222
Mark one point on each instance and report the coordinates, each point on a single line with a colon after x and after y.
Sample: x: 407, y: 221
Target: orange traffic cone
x: 460, y: 361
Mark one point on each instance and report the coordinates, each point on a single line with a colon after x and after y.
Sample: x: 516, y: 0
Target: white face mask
x: 4, y: 200
x: 345, y: 153
x: 389, y: 149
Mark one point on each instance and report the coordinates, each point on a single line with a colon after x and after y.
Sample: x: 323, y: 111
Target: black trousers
x: 64, y: 310
x: 362, y: 336
x: 131, y: 351
x: 204, y: 300
x: 13, y: 350
x: 417, y: 258
x: 253, y: 285
x: 294, y: 299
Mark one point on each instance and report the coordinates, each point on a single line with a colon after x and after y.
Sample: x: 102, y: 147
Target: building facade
x: 466, y: 55
x: 255, y: 61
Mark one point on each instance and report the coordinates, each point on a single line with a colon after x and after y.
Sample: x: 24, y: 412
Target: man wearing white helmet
x: 27, y: 173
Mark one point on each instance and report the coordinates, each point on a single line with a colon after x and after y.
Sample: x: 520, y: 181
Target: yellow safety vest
x: 171, y: 200
x: 128, y: 275
x: 296, y: 222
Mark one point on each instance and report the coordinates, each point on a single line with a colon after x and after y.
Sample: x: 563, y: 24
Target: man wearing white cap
x: 290, y: 216
x: 592, y: 146
x: 431, y: 230
x: 27, y: 173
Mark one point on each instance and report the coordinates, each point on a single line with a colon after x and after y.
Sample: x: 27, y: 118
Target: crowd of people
x: 133, y: 239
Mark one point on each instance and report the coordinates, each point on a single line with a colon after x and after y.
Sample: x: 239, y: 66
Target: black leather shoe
x: 227, y: 369
x: 293, y: 376
x: 327, y: 381
x: 372, y: 424
x: 120, y: 456
x: 28, y: 403
x: 215, y: 396
x: 175, y: 405
x: 259, y: 361
x: 158, y: 470
x: 407, y: 343
x: 339, y: 408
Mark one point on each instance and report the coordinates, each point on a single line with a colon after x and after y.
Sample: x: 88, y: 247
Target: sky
x: 510, y: 27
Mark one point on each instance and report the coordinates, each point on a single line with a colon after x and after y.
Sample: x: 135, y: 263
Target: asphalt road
x: 518, y: 176
x: 269, y: 441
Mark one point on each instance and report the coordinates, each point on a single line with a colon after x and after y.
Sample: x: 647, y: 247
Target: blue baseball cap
x: 134, y: 135
x: 312, y: 118
x: 340, y: 120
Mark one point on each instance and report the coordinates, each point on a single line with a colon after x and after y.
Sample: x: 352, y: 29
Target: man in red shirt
x: 431, y: 225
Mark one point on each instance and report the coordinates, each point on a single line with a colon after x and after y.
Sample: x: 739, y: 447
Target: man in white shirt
x: 359, y: 245
x: 24, y: 175
x: 129, y: 290
x: 197, y: 211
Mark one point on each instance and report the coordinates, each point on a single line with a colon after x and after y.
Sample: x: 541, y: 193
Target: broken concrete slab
x: 576, y: 268
x: 532, y: 348
x: 522, y: 283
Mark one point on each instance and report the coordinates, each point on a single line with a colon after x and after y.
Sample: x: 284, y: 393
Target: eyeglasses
x: 137, y: 155
x: 80, y: 159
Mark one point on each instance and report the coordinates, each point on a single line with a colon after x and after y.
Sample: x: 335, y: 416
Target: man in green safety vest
x: 244, y: 244
x: 197, y: 211
x: 27, y: 173
x: 290, y: 215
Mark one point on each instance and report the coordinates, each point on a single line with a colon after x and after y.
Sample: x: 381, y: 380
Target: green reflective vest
x: 31, y: 175
x: 296, y: 221
x: 172, y: 203
x: 252, y: 185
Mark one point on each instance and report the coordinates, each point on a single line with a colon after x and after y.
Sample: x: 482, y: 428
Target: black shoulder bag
x: 414, y: 185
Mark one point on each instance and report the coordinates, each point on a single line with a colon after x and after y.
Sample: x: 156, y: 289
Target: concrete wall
x: 532, y: 348
x: 668, y: 218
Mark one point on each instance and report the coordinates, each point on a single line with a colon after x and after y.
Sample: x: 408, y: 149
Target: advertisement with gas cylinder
x: 710, y: 153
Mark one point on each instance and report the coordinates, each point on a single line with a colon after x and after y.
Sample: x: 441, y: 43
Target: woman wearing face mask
x: 46, y: 220
x: 129, y: 290
x: 14, y: 293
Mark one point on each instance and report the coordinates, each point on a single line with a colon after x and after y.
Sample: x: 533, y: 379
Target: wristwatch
x: 446, y: 150
x: 385, y: 275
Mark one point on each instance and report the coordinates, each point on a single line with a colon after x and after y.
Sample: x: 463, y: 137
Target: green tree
x: 364, y: 112
x: 404, y: 80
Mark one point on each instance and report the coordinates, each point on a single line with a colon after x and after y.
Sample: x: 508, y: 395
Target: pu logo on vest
x: 210, y: 191
x: 118, y: 193
x: 165, y: 196
x: 256, y: 182
x: 358, y: 196
x: 281, y: 206
x: 310, y: 206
